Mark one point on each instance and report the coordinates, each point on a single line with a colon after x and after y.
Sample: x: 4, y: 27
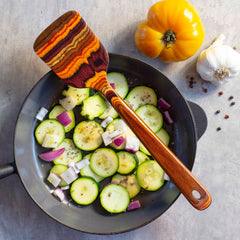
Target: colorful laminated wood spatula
x: 75, y: 54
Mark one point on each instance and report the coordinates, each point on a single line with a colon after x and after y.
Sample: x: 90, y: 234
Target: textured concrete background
x: 217, y: 163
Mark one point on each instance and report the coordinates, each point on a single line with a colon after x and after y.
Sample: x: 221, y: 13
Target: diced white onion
x: 73, y: 165
x: 69, y: 175
x: 106, y: 138
x: 50, y: 141
x: 59, y: 194
x: 115, y: 133
x: 121, y: 125
x: 106, y: 121
x: 41, y: 113
x: 65, y: 187
x: 82, y: 163
x: 54, y: 179
x: 132, y: 144
x: 68, y: 102
x: 166, y: 177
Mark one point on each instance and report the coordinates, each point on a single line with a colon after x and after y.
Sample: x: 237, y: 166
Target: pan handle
x: 7, y: 169
x: 200, y: 118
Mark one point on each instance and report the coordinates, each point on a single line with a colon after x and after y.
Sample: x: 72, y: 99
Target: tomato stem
x: 169, y: 37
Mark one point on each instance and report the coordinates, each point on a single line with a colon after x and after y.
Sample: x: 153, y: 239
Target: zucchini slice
x: 129, y: 182
x: 114, y: 198
x: 104, y: 162
x: 150, y: 175
x: 141, y: 95
x: 84, y: 190
x: 151, y: 116
x: 163, y: 135
x: 88, y: 172
x: 142, y: 157
x: 50, y: 126
x: 79, y: 94
x: 71, y: 153
x: 59, y: 169
x: 58, y: 109
x: 93, y: 107
x: 87, y: 135
x: 120, y: 82
x: 127, y: 162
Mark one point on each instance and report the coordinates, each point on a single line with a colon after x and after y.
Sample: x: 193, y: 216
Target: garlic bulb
x: 218, y: 63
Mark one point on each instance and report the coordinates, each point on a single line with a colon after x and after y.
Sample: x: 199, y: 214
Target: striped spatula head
x: 70, y: 48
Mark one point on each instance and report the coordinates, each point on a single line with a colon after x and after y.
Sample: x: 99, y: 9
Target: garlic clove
x: 218, y: 63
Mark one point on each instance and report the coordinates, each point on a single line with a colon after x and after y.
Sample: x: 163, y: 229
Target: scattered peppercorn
x: 232, y: 103
x: 218, y: 128
x: 220, y: 93
x: 230, y: 98
x: 226, y: 116
x: 204, y: 89
x: 217, y: 112
x: 187, y: 76
x: 235, y: 47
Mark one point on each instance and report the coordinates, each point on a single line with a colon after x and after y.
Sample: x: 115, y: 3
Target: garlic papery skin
x: 218, y: 63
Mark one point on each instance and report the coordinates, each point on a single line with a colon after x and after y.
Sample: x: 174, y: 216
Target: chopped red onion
x: 163, y: 104
x: 59, y: 194
x: 119, y: 140
x: 54, y: 179
x: 106, y: 138
x: 69, y: 175
x: 167, y: 117
x: 113, y: 85
x: 41, y: 113
x: 51, y: 155
x: 64, y: 118
x: 132, y: 144
x: 133, y: 205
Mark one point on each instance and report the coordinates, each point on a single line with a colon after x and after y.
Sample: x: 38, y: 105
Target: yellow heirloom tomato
x: 173, y: 31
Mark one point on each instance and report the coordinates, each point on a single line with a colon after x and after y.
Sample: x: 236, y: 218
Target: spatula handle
x: 191, y: 188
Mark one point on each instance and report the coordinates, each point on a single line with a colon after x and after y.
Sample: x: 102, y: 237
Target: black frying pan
x: 93, y: 219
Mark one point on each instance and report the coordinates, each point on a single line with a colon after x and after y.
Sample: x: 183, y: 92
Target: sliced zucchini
x: 50, y: 126
x: 142, y: 157
x: 104, y: 162
x: 120, y: 82
x: 114, y: 198
x: 151, y: 116
x: 88, y: 172
x: 71, y: 153
x: 129, y: 182
x: 141, y: 95
x: 79, y: 94
x: 93, y: 106
x: 110, y: 111
x: 59, y: 169
x: 163, y: 135
x: 57, y: 110
x: 150, y: 175
x: 127, y: 162
x: 88, y: 135
x: 84, y: 190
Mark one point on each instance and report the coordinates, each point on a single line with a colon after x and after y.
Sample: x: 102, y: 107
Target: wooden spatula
x: 74, y: 53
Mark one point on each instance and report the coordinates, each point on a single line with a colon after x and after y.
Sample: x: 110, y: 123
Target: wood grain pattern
x: 76, y: 55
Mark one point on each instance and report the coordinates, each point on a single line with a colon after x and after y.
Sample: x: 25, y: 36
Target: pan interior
x: 93, y: 219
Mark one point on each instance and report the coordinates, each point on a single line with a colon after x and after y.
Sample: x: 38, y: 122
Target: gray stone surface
x: 217, y: 163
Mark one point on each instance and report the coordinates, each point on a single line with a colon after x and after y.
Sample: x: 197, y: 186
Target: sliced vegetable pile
x: 101, y: 147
